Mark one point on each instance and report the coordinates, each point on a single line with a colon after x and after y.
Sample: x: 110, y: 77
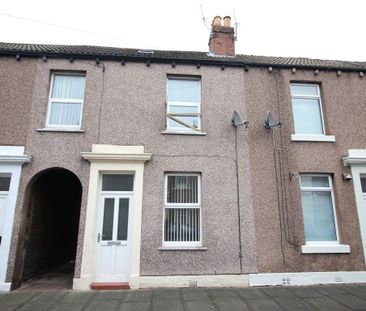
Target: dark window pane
x: 108, y: 219
x: 4, y: 183
x: 117, y: 182
x: 123, y: 220
x: 363, y: 184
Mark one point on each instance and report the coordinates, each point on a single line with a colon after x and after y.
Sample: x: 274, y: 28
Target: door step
x: 109, y: 286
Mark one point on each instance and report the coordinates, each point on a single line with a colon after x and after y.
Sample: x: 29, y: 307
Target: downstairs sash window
x: 182, y: 211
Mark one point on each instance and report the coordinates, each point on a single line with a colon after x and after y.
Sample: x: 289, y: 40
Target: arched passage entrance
x: 52, y: 208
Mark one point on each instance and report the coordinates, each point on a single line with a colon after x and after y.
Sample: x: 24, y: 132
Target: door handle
x: 100, y: 236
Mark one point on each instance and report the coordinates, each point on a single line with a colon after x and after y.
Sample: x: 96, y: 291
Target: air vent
x: 338, y: 279
x: 286, y: 281
x: 146, y: 52
x: 192, y: 283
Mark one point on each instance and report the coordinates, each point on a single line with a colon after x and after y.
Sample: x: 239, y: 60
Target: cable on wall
x: 289, y: 234
x: 100, y: 65
x: 286, y: 231
x: 238, y: 199
x: 236, y: 121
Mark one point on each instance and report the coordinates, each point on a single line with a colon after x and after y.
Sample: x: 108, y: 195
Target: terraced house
x: 132, y: 166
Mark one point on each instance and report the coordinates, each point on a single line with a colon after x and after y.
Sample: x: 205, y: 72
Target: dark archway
x: 53, y: 201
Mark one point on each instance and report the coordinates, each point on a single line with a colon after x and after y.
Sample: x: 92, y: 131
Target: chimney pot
x: 216, y: 21
x: 227, y: 21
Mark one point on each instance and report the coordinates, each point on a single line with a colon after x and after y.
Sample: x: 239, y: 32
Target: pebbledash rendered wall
x: 126, y: 105
x: 344, y: 114
x: 16, y: 93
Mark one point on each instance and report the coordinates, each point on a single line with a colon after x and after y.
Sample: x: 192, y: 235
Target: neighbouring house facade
x: 126, y: 164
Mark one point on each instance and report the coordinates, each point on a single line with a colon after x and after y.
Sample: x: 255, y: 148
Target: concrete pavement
x: 335, y: 297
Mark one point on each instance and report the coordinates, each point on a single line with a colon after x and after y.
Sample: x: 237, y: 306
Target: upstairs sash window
x: 183, y: 104
x: 307, y: 109
x: 66, y: 101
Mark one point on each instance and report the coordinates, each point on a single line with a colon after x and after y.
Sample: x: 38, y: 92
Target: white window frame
x: 302, y: 136
x: 66, y: 101
x: 183, y: 104
x: 183, y: 244
x: 322, y: 189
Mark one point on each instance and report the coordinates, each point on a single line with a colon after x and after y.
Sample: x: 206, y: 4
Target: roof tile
x: 184, y: 56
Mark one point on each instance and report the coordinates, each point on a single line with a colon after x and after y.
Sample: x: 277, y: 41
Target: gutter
x: 161, y: 60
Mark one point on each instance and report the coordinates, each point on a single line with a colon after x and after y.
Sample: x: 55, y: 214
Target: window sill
x: 172, y: 132
x: 68, y: 130
x: 184, y: 248
x: 325, y: 249
x: 313, y: 137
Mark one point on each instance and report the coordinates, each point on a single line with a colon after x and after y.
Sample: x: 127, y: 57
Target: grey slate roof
x: 83, y: 51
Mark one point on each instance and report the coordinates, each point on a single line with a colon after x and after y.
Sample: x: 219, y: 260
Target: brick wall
x: 222, y: 41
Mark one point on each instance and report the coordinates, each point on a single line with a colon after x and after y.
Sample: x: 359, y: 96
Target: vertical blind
x: 182, y: 189
x: 68, y: 87
x: 65, y: 114
x: 66, y: 100
x: 183, y: 91
x: 182, y: 224
x: 183, y: 215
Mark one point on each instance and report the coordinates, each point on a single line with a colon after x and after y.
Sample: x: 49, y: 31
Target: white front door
x: 114, y: 238
x: 3, y: 200
x: 4, y: 192
x: 359, y: 182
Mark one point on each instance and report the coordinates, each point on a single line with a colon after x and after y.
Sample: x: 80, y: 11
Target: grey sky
x: 327, y: 29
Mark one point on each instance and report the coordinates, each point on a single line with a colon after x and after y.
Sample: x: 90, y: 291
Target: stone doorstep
x: 109, y: 286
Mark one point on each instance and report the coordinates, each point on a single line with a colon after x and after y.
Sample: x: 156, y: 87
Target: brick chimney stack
x: 222, y: 37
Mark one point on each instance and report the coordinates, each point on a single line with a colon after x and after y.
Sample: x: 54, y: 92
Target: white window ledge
x: 313, y: 137
x: 325, y: 249
x: 185, y: 248
x: 60, y: 129
x: 172, y: 132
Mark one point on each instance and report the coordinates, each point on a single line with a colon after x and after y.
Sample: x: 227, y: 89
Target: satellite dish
x: 237, y: 121
x: 270, y: 123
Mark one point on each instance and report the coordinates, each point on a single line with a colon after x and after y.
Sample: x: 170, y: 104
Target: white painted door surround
x: 356, y: 159
x: 113, y: 238
x: 110, y: 159
x: 3, y: 202
x: 11, y: 160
